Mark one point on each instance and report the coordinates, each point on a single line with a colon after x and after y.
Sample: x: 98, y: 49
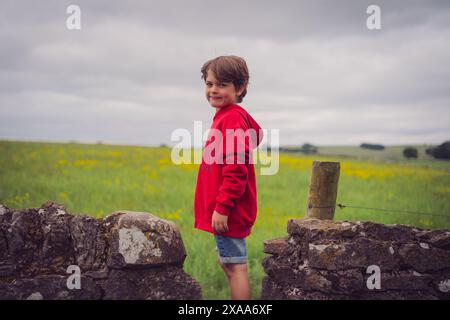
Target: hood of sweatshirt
x: 251, y: 123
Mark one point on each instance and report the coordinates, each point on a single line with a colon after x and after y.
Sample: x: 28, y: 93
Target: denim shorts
x: 231, y: 250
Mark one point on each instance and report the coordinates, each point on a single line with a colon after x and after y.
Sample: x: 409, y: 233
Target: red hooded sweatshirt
x: 228, y: 184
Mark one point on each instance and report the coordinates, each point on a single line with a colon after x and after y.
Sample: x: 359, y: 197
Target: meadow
x: 98, y: 179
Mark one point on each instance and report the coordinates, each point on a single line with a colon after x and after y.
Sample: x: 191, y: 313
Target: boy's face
x: 220, y: 94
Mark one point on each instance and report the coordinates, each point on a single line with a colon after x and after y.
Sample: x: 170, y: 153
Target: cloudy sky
x: 131, y: 74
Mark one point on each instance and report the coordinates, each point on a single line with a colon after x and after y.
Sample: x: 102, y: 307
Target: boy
x: 225, y: 196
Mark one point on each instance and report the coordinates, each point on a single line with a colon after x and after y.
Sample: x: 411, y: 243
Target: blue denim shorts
x: 231, y: 250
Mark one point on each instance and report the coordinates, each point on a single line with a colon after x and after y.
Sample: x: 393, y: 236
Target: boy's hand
x: 219, y: 222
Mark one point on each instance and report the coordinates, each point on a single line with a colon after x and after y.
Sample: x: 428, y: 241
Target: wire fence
x: 342, y: 206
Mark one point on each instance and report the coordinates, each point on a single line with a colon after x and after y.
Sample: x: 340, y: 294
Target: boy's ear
x: 242, y: 88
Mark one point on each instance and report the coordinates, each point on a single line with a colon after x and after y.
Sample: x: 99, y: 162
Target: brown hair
x: 228, y: 69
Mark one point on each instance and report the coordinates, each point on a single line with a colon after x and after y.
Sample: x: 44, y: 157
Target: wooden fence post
x: 323, y: 190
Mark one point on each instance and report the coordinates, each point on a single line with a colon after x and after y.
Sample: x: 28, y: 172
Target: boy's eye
x: 209, y: 84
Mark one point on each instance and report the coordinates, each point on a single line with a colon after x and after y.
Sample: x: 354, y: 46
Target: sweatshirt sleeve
x: 234, y: 167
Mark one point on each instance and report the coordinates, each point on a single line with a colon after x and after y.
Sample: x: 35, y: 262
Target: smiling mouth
x: 215, y: 98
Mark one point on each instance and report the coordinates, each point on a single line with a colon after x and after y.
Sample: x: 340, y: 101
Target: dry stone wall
x: 48, y: 253
x: 325, y: 259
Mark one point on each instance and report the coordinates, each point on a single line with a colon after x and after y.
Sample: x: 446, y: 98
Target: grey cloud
x: 314, y: 65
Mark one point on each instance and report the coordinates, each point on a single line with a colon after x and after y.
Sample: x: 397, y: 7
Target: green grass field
x: 98, y: 179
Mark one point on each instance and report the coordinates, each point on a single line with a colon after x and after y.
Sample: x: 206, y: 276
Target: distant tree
x: 440, y: 152
x: 410, y: 152
x: 372, y: 146
x: 309, y: 148
x: 290, y: 149
x: 306, y: 148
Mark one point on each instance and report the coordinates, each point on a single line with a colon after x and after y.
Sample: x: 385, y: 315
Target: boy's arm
x: 234, y: 174
x: 233, y: 187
